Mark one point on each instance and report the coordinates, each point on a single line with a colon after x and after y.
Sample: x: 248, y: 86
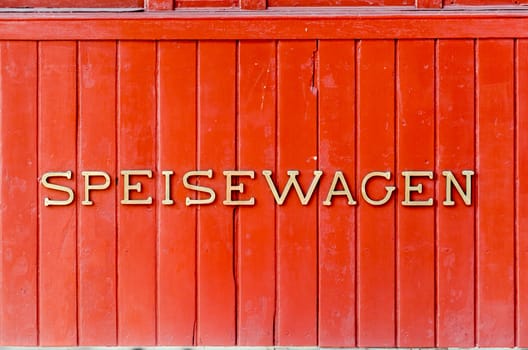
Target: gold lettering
x: 339, y: 177
x: 68, y: 190
x: 88, y: 186
x: 418, y: 188
x: 127, y: 187
x: 292, y: 181
x: 451, y: 180
x: 167, y: 200
x: 366, y: 179
x: 239, y: 188
x: 212, y: 195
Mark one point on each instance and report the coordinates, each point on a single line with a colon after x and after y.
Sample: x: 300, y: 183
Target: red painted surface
x: 415, y: 227
x: 296, y: 224
x: 97, y: 277
x: 206, y: 3
x: 487, y: 2
x: 159, y: 5
x: 176, y: 245
x: 136, y: 234
x: 74, y: 3
x: 495, y: 217
x: 337, y: 252
x: 521, y: 235
x: 455, y: 226
x: 376, y: 225
x: 57, y: 230
x: 19, y: 220
x: 216, y: 149
x: 273, y: 90
x: 272, y: 3
x: 256, y: 239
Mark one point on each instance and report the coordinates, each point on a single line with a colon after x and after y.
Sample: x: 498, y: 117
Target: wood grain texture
x: 18, y: 194
x: 216, y: 319
x: 302, y: 275
x: 495, y: 216
x: 177, y: 144
x: 72, y: 3
x: 337, y: 223
x: 136, y: 230
x: 97, y: 223
x: 521, y: 189
x: 273, y: 25
x: 376, y: 224
x: 296, y: 224
x: 57, y: 145
x: 257, y: 93
x: 415, y: 225
x: 455, y: 132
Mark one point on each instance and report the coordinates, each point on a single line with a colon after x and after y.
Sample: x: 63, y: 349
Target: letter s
x: 68, y: 190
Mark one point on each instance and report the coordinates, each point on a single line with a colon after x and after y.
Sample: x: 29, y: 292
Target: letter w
x: 292, y: 181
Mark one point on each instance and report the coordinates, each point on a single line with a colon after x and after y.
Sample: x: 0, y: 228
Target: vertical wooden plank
x: 256, y: 146
x: 176, y: 222
x: 376, y: 234
x: 97, y: 222
x: 216, y: 151
x: 159, y: 5
x: 455, y: 224
x: 57, y: 224
x: 415, y: 211
x: 18, y: 193
x: 297, y: 224
x: 136, y: 265
x: 337, y: 241
x: 521, y: 162
x: 495, y: 210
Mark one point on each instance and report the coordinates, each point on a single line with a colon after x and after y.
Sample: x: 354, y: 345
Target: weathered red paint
x: 455, y: 235
x: 26, y: 4
x: 19, y: 220
x: 256, y: 149
x: 329, y: 89
x: 96, y: 236
x: 57, y: 230
x: 415, y: 227
x: 176, y: 245
x: 337, y: 239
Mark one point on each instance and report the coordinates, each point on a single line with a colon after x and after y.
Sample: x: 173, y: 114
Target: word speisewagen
x: 238, y: 187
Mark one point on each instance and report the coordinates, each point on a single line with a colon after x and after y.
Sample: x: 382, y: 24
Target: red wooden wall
x: 156, y: 5
x: 355, y: 94
x: 26, y: 4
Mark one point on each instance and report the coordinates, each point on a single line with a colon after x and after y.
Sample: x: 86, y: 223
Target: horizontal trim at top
x: 34, y: 10
x: 313, y: 23
x: 232, y: 348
